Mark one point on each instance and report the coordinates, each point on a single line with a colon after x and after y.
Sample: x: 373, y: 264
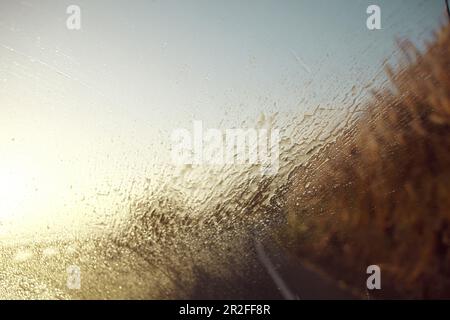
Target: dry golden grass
x: 381, y: 193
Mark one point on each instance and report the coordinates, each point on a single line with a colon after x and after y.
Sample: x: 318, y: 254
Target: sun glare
x: 14, y: 186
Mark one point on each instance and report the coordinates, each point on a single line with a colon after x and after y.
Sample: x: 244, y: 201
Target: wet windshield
x: 146, y: 144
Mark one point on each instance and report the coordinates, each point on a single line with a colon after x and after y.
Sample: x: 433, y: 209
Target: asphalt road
x: 107, y: 271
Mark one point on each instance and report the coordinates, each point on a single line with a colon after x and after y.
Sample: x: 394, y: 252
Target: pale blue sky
x: 166, y: 60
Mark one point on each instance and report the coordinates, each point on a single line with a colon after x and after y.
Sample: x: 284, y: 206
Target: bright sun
x: 14, y: 190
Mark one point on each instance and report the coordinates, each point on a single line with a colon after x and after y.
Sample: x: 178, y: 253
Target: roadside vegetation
x: 380, y: 194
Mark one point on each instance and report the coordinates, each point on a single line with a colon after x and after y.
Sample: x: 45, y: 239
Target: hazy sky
x: 163, y: 60
x: 79, y: 106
